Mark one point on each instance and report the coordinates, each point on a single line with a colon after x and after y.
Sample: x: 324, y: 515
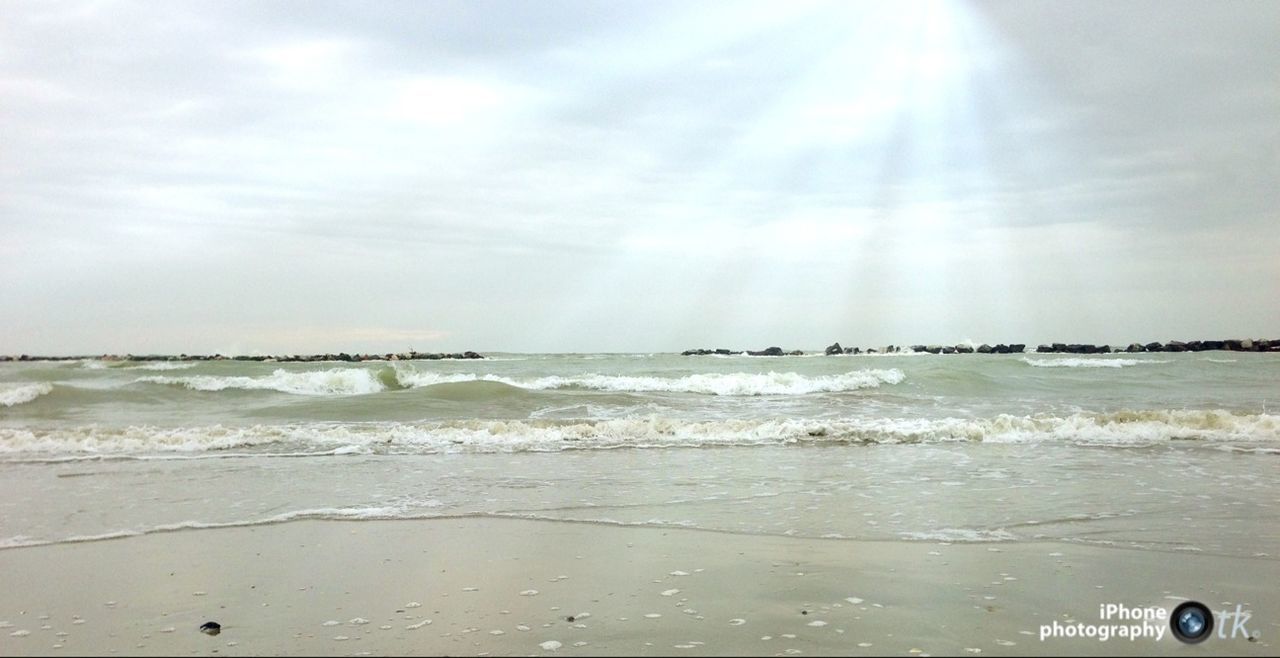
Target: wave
x: 335, y: 381
x: 364, y: 381
x: 727, y: 384
x: 15, y: 394
x: 318, y: 514
x: 1123, y: 429
x: 960, y: 535
x: 1089, y: 363
x: 163, y: 365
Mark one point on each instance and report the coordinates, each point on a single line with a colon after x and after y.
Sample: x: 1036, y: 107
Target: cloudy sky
x: 634, y: 176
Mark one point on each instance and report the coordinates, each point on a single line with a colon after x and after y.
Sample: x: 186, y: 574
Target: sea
x: 1173, y: 452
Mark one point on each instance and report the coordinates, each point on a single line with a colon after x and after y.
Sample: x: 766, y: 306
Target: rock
x: 964, y: 349
x: 1134, y: 347
x: 1017, y: 348
x: 918, y: 348
x: 768, y: 351
x: 1247, y: 344
x: 211, y: 628
x: 1154, y: 347
x: 1000, y: 348
x: 984, y: 349
x: 1043, y: 349
x: 834, y: 348
x: 948, y: 349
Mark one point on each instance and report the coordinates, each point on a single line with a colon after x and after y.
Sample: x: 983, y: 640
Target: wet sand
x: 494, y: 586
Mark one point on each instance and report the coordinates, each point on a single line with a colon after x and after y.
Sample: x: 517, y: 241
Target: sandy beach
x: 489, y: 586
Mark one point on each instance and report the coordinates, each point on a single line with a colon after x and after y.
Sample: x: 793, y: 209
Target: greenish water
x: 1151, y: 451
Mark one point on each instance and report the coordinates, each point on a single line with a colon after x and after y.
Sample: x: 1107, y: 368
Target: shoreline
x: 488, y: 586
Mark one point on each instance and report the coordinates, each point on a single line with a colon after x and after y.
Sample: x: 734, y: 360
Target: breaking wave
x: 1124, y: 428
x: 1089, y: 363
x: 363, y: 381
x: 335, y: 381
x: 15, y: 394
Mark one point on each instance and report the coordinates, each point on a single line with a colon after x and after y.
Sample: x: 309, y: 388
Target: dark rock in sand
x: 211, y: 628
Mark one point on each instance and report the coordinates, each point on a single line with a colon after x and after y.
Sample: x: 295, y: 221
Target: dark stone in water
x: 211, y: 628
x: 834, y: 348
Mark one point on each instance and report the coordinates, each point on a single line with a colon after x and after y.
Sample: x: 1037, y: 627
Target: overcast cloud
x: 634, y: 176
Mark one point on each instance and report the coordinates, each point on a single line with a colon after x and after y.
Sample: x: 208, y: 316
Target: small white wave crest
x: 317, y: 514
x: 15, y: 394
x: 961, y: 535
x: 1089, y: 363
x: 164, y: 365
x: 335, y: 381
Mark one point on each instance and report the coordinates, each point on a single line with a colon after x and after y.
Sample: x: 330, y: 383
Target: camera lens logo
x: 1191, y: 622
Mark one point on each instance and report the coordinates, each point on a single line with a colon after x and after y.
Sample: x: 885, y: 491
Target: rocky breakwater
x: 768, y: 351
x: 1000, y: 348
x: 1232, y: 345
x: 283, y: 358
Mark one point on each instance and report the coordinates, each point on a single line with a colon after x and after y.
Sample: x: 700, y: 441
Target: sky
x: 287, y: 177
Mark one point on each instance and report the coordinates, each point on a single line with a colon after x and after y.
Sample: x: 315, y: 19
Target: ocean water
x: 1158, y: 452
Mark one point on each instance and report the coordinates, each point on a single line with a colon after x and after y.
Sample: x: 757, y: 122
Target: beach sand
x: 496, y: 586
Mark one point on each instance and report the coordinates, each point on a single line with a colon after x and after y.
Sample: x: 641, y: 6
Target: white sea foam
x: 961, y: 535
x: 335, y: 381
x: 362, y: 381
x: 317, y: 514
x: 1089, y: 363
x: 164, y: 365
x: 15, y: 394
x: 727, y: 384
x: 1123, y: 428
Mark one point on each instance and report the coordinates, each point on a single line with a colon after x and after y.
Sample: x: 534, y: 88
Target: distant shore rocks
x: 284, y: 358
x: 768, y: 351
x: 1234, y: 345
